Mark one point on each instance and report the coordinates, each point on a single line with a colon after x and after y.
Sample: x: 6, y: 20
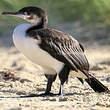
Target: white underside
x: 29, y: 47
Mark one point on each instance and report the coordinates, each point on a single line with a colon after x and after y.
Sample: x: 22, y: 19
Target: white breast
x: 31, y: 50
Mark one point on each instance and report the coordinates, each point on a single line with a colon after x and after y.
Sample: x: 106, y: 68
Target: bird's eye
x: 25, y: 13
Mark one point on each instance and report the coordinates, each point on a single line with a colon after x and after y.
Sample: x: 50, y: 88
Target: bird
x: 58, y: 53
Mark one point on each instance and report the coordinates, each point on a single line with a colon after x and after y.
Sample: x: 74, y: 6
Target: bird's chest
x: 30, y: 48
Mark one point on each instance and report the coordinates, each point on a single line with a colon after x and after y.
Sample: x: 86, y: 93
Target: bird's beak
x: 10, y: 13
x: 17, y: 14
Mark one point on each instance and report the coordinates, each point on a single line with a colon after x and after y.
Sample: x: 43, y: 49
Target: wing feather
x: 63, y: 47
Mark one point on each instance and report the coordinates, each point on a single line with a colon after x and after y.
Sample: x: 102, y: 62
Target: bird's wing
x: 62, y: 47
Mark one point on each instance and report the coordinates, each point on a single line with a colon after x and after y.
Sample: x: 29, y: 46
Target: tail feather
x: 96, y: 85
x: 81, y: 80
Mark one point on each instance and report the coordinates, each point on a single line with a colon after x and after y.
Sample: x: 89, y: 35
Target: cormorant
x: 56, y: 52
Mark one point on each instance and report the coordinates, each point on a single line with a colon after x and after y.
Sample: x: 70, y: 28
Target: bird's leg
x: 63, y: 75
x: 51, y: 79
x: 62, y: 81
x: 61, y: 89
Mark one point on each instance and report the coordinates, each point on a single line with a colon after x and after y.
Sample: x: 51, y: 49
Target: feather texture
x: 61, y: 46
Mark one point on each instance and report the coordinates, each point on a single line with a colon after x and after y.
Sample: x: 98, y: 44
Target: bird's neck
x: 40, y: 25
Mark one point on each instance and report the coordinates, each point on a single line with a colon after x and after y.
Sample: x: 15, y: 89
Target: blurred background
x: 87, y: 20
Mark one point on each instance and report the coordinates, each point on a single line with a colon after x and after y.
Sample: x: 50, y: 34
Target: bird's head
x: 31, y: 14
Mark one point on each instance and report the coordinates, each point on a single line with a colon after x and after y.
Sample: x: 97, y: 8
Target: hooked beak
x: 17, y: 14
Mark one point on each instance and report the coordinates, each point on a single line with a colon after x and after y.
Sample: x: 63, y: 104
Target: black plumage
x: 62, y: 47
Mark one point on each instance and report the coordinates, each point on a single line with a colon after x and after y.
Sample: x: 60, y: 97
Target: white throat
x: 31, y: 50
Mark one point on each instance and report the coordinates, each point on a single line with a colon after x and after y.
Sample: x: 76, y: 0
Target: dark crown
x: 32, y: 10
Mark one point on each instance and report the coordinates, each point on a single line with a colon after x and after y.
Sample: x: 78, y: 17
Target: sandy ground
x: 14, y: 94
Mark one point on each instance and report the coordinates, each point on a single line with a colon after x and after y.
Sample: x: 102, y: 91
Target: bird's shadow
x: 50, y: 95
x: 41, y: 95
x: 29, y: 96
x: 24, y: 95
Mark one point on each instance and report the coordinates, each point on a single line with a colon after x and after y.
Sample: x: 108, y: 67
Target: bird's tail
x: 96, y: 85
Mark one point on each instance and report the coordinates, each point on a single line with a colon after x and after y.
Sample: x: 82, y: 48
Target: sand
x: 28, y: 79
